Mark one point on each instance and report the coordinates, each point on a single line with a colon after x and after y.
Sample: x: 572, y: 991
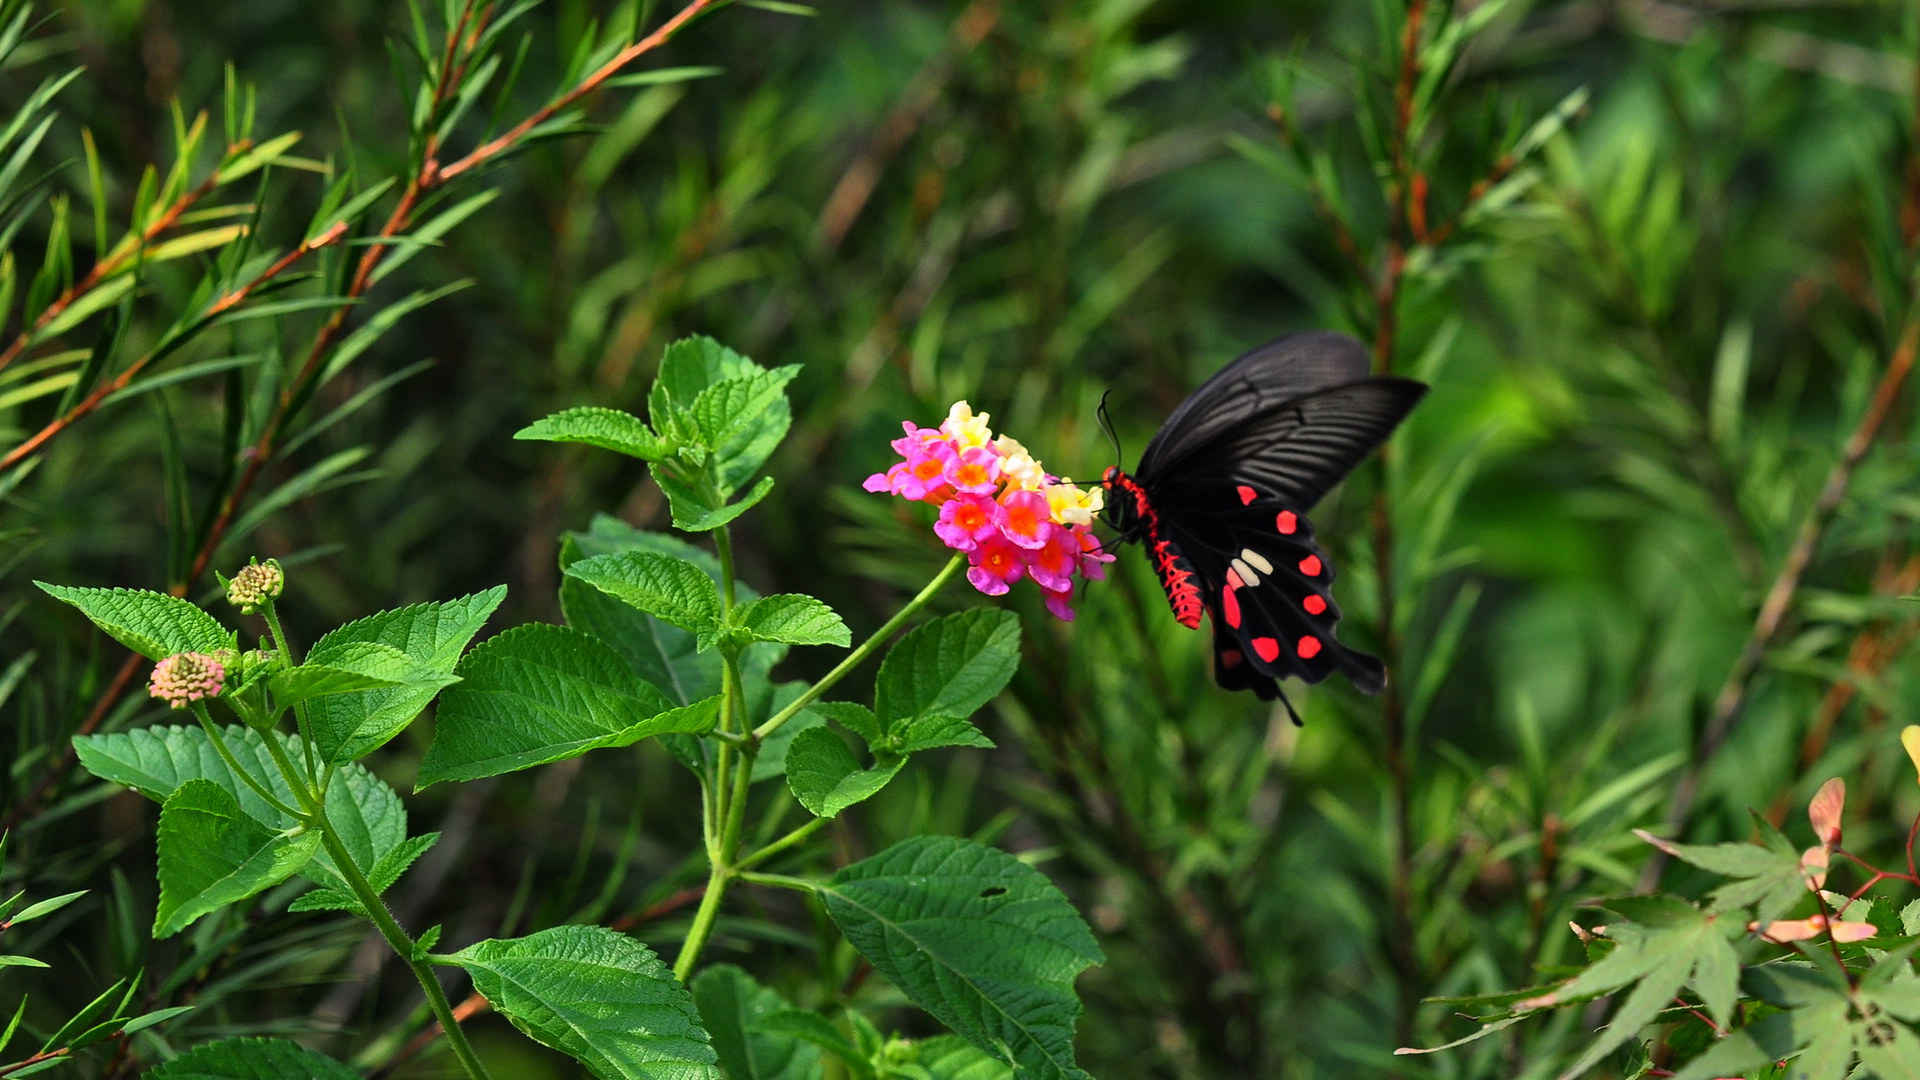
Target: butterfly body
x: 1220, y: 498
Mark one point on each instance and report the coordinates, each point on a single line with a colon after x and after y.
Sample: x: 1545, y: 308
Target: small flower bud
x: 185, y: 677
x: 255, y: 584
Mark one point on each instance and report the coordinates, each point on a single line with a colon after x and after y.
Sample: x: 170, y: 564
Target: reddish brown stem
x: 115, y: 259
x: 1732, y: 698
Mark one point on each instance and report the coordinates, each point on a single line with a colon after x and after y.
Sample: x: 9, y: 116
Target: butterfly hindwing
x: 1268, y: 586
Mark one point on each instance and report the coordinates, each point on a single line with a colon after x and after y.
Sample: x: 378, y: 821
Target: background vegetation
x: 1640, y: 559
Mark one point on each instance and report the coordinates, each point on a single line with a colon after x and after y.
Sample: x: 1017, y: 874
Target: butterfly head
x: 1127, y: 509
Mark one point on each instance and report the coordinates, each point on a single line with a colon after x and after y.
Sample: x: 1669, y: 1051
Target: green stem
x: 863, y: 650
x: 226, y: 754
x: 782, y: 844
x: 383, y: 920
x: 779, y: 881
x: 285, y: 644
x: 401, y: 944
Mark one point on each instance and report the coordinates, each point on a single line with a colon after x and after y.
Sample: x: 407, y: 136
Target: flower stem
x: 779, y: 881
x: 863, y: 650
x: 226, y: 754
x: 285, y: 644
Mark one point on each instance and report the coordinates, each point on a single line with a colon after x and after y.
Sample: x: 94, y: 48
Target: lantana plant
x: 664, y: 649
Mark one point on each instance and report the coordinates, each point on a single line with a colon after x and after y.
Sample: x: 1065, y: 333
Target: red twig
x: 39, y: 1058
x: 115, y: 259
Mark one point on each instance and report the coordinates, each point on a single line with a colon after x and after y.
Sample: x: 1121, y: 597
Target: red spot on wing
x: 1230, y: 658
x: 1229, y: 603
x: 1286, y: 522
x: 1310, y: 566
x: 1246, y: 493
x: 1267, y: 647
x: 1308, y: 648
x: 1314, y: 605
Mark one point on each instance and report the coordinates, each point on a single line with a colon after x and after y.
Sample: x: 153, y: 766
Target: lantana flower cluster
x: 998, y: 505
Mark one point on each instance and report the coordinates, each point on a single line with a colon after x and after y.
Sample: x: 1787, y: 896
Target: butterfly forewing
x: 1221, y: 495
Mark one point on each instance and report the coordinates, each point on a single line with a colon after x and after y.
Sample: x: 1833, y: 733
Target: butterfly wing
x: 1294, y: 450
x: 1268, y: 588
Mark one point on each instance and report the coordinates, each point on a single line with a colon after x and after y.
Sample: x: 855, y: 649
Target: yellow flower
x: 1072, y: 505
x: 967, y: 428
x: 1910, y: 738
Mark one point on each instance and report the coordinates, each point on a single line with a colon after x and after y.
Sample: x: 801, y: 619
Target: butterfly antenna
x: 1106, y: 425
x: 1297, y: 722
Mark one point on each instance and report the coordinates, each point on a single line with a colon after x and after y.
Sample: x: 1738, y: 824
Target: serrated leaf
x: 155, y: 761
x: 949, y: 1057
x: 432, y: 635
x: 813, y: 1028
x: 391, y: 865
x: 1760, y: 1044
x: 152, y: 624
x: 975, y: 937
x: 949, y: 666
x: 597, y: 995
x: 693, y: 512
x: 734, y: 1009
x: 741, y: 420
x: 250, y: 1059
x: 212, y: 854
x: 537, y: 694
x: 349, y: 668
x: 932, y: 732
x: 658, y: 652
x: 856, y: 718
x: 794, y: 619
x: 1768, y: 878
x: 690, y: 365
x: 608, y: 429
x: 672, y: 590
x: 826, y: 777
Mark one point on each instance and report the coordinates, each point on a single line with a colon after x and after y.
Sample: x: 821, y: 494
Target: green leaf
x: 672, y: 590
x: 386, y: 871
x: 152, y: 624
x: 1767, y: 878
x: 687, y: 368
x: 250, y: 1059
x: 360, y: 665
x: 742, y: 420
x: 658, y: 652
x: 975, y: 937
x: 851, y: 715
x: 826, y: 777
x: 156, y: 761
x: 813, y: 1028
x: 431, y: 635
x: 693, y: 512
x: 794, y: 619
x: 950, y: 666
x: 763, y: 700
x: 608, y: 429
x: 537, y: 694
x: 932, y: 732
x: 1767, y: 1040
x: 597, y: 995
x: 734, y: 1009
x: 212, y: 854
x: 950, y: 1057
x: 45, y: 907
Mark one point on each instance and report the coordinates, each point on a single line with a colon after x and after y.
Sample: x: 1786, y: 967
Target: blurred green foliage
x: 1649, y: 342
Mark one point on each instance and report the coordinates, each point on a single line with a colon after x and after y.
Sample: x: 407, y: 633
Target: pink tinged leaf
x: 1580, y: 932
x: 1785, y: 930
x: 1542, y: 1002
x: 1825, y: 809
x: 1844, y: 931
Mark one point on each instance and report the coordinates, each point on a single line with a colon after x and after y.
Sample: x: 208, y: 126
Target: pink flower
x: 1060, y: 603
x: 1093, y: 558
x: 996, y: 564
x: 1051, y: 565
x: 965, y: 520
x: 184, y: 677
x: 1024, y: 518
x: 920, y: 477
x: 975, y: 471
x: 916, y: 437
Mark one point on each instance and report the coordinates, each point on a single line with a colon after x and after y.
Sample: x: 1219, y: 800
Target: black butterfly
x: 1221, y: 493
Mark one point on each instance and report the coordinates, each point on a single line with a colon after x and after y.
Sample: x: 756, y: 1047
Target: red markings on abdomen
x: 1176, y: 577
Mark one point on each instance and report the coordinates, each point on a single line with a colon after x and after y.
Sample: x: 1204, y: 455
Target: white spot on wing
x: 1255, y: 559
x: 1247, y: 576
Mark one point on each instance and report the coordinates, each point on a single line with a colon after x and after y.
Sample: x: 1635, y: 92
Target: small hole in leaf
x: 993, y: 890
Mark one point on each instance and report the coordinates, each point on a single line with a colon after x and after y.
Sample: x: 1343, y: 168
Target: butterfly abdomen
x: 1136, y: 511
